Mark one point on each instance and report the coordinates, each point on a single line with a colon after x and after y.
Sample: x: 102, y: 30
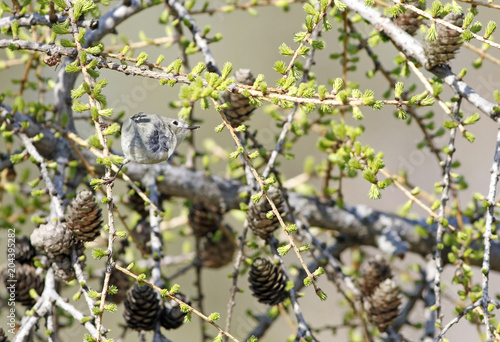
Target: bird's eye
x: 175, y: 123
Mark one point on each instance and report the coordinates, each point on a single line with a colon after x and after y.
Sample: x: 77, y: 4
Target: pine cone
x: 372, y: 273
x: 240, y: 108
x: 383, y: 305
x: 26, y: 278
x: 444, y: 48
x: 56, y: 241
x: 203, y: 219
x: 267, y: 282
x: 141, y: 308
x: 122, y: 283
x: 256, y: 215
x: 24, y: 250
x: 84, y: 217
x: 171, y: 316
x: 215, y: 254
x: 53, y: 239
x: 63, y: 264
x: 3, y: 338
x: 409, y: 21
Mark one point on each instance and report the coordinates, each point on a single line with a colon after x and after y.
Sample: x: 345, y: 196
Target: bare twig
x: 183, y: 14
x: 441, y: 218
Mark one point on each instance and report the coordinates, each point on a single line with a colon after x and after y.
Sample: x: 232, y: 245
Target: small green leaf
x: 283, y: 250
x: 472, y: 119
x: 398, y: 90
x: 318, y: 44
x: 369, y: 176
x: 285, y: 50
x: 226, y: 70
x: 82, y: 6
x: 309, y: 9
x: 107, y: 112
x: 467, y: 36
x: 374, y: 192
x: 321, y: 295
x: 432, y: 33
x: 490, y: 28
x: 214, y: 317
x: 61, y: 28
x: 469, y: 136
x: 280, y: 67
x: 110, y: 130
x: 98, y: 253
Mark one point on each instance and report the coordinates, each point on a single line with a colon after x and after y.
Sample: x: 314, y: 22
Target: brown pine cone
x: 84, y: 217
x: 141, y: 308
x: 256, y: 214
x: 203, y: 219
x: 171, y: 316
x: 22, y: 281
x: 53, y: 239
x: 410, y: 21
x: 24, y: 250
x: 63, y: 264
x: 218, y: 253
x: 444, y: 48
x: 267, y: 282
x: 372, y: 273
x: 122, y: 283
x: 56, y: 241
x: 383, y: 305
x: 240, y: 108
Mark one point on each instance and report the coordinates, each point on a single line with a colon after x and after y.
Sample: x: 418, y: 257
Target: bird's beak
x: 192, y: 128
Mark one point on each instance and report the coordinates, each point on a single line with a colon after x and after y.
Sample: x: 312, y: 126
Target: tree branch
x: 44, y: 20
x: 413, y: 48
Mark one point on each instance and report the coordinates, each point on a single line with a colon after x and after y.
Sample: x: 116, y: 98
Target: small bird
x: 151, y: 138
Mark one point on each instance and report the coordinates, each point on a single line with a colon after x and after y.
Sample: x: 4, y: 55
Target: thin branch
x: 33, y: 19
x: 237, y: 264
x: 54, y: 195
x: 413, y: 48
x: 271, y: 93
x: 456, y: 320
x: 441, y: 218
x: 411, y: 196
x: 487, y: 235
x: 184, y: 15
x: 482, y: 53
x: 479, y: 3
